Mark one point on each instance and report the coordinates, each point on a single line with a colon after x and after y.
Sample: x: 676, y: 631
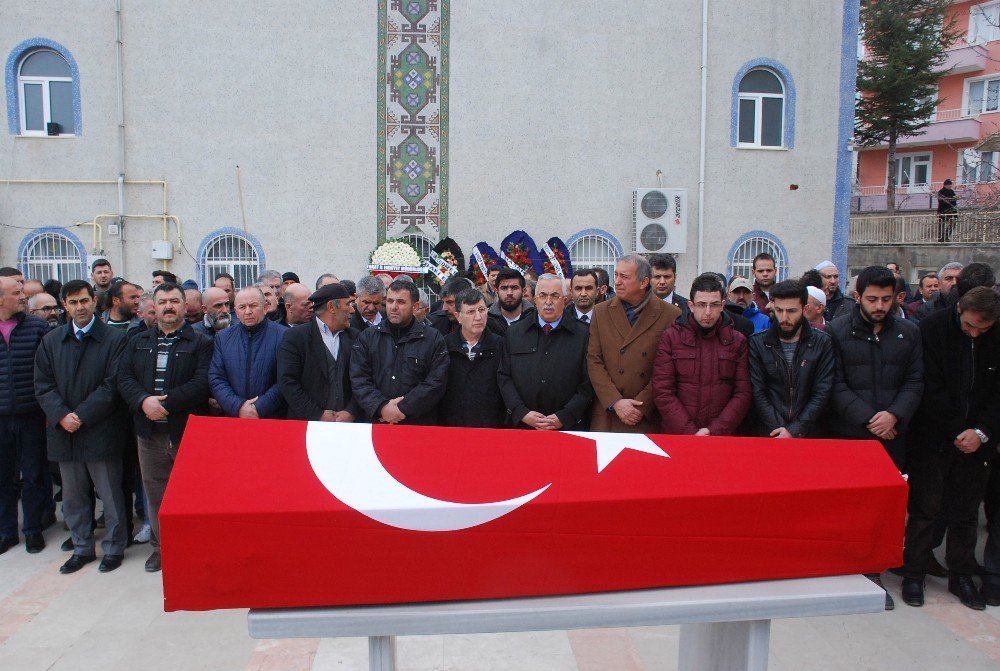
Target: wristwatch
x: 983, y: 438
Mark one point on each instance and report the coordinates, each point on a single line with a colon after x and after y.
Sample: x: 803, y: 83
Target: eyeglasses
x: 47, y: 308
x: 703, y: 307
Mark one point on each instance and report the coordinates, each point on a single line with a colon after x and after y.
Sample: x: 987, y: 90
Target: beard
x: 220, y: 322
x: 510, y: 304
x: 876, y: 318
x: 788, y: 334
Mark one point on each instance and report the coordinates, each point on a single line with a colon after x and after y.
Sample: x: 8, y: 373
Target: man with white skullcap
x: 836, y: 302
x: 814, y: 308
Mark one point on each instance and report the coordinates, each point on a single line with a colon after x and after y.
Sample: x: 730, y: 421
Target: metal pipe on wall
x: 701, y: 147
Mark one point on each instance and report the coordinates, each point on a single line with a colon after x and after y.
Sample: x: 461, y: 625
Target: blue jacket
x: 245, y: 365
x: 760, y: 321
x: 17, y: 365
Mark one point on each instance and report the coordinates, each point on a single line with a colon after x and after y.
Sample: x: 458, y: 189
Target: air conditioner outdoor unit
x: 659, y: 218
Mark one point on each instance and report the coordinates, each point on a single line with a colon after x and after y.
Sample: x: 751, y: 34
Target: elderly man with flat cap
x: 314, y: 360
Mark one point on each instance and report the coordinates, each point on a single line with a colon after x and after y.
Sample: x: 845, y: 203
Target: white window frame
x: 988, y: 157
x: 69, y: 265
x: 741, y: 262
x: 23, y: 80
x: 992, y: 32
x: 212, y: 267
x: 913, y: 163
x: 758, y: 101
x: 585, y: 252
x: 966, y: 97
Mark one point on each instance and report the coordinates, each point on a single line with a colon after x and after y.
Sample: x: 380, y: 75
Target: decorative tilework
x: 413, y: 118
x: 13, y: 99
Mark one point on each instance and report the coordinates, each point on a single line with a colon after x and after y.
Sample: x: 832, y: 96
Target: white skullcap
x: 824, y: 264
x: 818, y: 294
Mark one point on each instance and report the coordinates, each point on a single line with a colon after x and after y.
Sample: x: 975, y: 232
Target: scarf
x: 632, y: 311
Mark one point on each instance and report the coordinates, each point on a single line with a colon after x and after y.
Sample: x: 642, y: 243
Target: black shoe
x: 153, y: 563
x: 913, y: 592
x: 110, y: 563
x: 935, y: 569
x: 7, y: 542
x: 76, y: 562
x: 965, y: 589
x: 34, y: 543
x: 67, y: 545
x: 991, y: 594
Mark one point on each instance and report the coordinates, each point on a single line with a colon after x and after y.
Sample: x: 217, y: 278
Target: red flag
x: 270, y: 514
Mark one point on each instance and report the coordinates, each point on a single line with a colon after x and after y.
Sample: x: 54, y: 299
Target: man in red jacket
x: 701, y: 375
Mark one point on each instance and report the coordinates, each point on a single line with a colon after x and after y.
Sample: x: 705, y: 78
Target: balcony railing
x: 924, y: 229
x: 971, y: 58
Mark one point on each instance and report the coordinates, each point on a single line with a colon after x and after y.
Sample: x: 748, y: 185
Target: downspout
x: 121, y: 134
x: 701, y: 148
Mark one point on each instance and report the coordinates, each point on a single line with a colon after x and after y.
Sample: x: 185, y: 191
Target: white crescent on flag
x: 343, y: 457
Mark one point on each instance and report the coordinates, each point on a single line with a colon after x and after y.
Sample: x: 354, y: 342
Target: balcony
x: 964, y: 60
x: 948, y: 126
x: 970, y: 228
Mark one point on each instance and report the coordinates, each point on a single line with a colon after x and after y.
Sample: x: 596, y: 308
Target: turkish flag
x: 265, y: 514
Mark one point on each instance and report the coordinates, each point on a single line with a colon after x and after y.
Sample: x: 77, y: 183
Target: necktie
x: 547, y: 328
x: 79, y: 336
x: 585, y: 319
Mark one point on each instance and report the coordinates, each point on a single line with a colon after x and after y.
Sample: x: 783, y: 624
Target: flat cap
x: 329, y: 292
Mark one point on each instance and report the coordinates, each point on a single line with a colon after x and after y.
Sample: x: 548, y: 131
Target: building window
x: 983, y: 96
x: 984, y: 23
x: 913, y: 170
x: 742, y: 254
x: 762, y: 103
x: 43, y: 90
x: 763, y: 113
x: 52, y: 254
x: 230, y: 251
x: 424, y: 247
x: 975, y: 167
x: 594, y: 248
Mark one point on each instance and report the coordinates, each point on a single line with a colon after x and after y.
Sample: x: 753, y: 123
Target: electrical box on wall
x: 163, y: 250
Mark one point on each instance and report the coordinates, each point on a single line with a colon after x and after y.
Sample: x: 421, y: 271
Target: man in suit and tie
x: 314, y: 360
x: 623, y: 342
x: 584, y: 289
x: 665, y: 279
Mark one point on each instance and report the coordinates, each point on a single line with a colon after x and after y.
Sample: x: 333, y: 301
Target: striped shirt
x: 164, y: 343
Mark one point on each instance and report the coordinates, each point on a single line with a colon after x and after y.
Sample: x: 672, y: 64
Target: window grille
x: 52, y: 256
x: 742, y: 261
x: 594, y: 251
x: 233, y: 254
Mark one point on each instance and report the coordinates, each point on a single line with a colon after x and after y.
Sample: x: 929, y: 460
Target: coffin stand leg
x: 382, y: 653
x: 730, y: 646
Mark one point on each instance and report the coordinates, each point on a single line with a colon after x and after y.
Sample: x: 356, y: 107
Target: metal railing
x: 919, y: 229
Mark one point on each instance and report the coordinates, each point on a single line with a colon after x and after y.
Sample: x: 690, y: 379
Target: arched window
x: 43, y: 89
x: 763, y: 106
x: 762, y: 102
x: 742, y: 254
x: 230, y: 251
x: 424, y: 247
x: 52, y: 254
x: 594, y: 248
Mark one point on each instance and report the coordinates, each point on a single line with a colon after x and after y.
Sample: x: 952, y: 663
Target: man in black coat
x: 791, y: 368
x: 22, y: 423
x: 368, y: 310
x: 472, y: 397
x: 837, y: 303
x: 543, y: 374
x: 314, y: 360
x: 878, y: 381
x: 75, y: 369
x: 954, y: 443
x: 163, y: 378
x: 399, y: 368
x: 445, y: 319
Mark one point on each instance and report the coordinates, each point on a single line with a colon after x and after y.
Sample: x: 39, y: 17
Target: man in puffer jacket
x: 701, y: 378
x: 244, y: 371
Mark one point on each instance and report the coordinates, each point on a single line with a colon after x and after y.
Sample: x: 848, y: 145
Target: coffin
x: 266, y: 514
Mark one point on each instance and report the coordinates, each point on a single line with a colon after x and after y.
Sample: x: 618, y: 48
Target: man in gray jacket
x: 75, y: 368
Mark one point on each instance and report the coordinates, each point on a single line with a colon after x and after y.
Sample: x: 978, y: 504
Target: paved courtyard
x: 115, y: 621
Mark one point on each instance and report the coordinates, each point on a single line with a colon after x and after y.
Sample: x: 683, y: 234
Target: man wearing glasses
x: 701, y: 375
x: 44, y: 307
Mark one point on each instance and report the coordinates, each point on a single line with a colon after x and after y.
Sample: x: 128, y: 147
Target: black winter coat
x: 80, y: 377
x: 546, y: 373
x: 838, y: 305
x: 186, y: 386
x: 795, y: 396
x: 17, y: 365
x: 473, y: 395
x: 415, y: 367
x: 440, y: 320
x: 875, y: 372
x: 962, y: 382
x: 304, y: 374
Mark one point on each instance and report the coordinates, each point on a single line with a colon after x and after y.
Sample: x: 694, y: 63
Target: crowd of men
x: 101, y: 378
